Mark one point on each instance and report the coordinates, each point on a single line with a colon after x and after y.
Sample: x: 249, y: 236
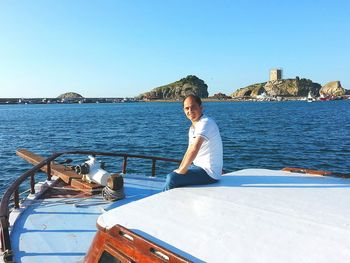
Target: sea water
x: 269, y: 135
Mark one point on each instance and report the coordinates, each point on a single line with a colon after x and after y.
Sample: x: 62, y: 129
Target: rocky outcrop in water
x: 333, y: 88
x: 284, y: 87
x: 177, y: 90
x: 220, y: 96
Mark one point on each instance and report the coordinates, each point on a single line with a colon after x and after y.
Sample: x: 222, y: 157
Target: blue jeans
x: 195, y: 175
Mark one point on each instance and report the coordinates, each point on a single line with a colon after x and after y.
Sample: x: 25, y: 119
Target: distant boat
x: 264, y: 97
x: 310, y: 98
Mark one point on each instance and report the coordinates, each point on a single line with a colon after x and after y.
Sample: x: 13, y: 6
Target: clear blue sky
x: 123, y: 48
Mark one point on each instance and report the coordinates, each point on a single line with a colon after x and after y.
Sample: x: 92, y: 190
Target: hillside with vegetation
x: 178, y: 89
x: 70, y: 95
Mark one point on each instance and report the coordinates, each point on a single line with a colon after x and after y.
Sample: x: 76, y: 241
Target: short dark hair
x: 195, y: 97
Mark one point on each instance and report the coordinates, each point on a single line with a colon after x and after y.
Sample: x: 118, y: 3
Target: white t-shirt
x: 210, y: 156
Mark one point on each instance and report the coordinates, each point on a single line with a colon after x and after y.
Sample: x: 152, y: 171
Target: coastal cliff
x: 291, y: 88
x: 283, y: 87
x: 333, y: 88
x: 178, y: 89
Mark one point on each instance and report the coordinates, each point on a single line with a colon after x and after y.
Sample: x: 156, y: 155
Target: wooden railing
x: 13, y: 190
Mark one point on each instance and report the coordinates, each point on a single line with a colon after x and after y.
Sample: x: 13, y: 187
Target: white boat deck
x: 62, y: 229
x: 252, y: 215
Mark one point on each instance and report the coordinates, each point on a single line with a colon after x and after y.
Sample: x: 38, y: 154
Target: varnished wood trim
x: 132, y: 247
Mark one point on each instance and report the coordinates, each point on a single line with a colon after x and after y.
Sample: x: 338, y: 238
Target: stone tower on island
x: 275, y: 74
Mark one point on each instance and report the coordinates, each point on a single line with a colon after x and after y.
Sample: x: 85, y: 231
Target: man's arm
x: 190, y: 155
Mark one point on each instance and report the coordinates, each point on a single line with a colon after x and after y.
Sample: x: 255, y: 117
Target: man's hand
x: 190, y: 155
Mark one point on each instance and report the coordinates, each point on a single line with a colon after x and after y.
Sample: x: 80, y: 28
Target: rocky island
x: 333, y: 88
x: 178, y: 89
x: 282, y: 87
x: 291, y: 88
x: 69, y: 96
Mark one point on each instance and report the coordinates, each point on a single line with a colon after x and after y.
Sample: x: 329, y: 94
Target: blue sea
x: 255, y: 134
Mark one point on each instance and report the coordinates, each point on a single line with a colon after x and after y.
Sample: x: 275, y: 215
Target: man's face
x: 192, y: 110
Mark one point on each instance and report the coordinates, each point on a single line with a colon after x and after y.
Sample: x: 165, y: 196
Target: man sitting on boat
x: 203, y: 160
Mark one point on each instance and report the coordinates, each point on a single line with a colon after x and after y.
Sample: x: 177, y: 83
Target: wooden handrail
x: 315, y: 172
x: 13, y: 190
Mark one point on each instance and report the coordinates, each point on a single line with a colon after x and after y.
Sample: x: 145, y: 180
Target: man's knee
x: 170, y: 181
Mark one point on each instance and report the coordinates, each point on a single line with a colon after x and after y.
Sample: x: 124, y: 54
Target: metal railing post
x: 32, y: 184
x: 5, y: 239
x: 48, y: 171
x: 16, y: 198
x: 153, y: 167
x: 125, y: 162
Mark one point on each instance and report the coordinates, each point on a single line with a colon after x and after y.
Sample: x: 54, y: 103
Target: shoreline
x: 248, y: 99
x: 14, y: 101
